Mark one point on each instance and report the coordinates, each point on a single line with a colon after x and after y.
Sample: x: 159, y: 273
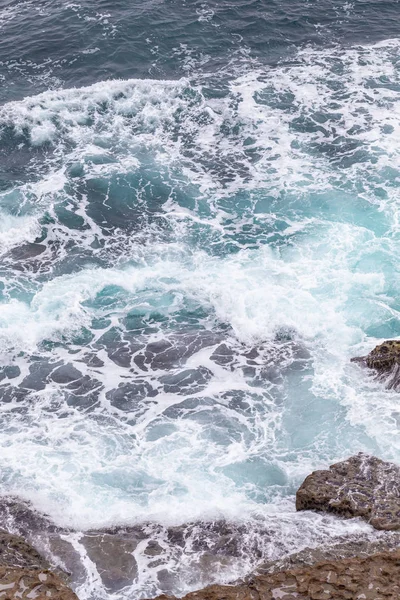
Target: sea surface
x: 199, y: 227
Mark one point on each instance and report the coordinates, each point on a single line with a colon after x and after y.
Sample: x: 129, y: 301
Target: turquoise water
x: 196, y: 236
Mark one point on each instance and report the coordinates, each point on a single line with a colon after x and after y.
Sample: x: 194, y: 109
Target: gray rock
x: 361, y: 546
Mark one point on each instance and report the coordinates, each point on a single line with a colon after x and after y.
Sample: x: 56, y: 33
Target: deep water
x: 199, y: 227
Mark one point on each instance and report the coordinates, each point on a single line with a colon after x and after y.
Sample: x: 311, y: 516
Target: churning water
x: 199, y: 227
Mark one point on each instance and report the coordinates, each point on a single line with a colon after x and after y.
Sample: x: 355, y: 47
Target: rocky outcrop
x: 26, y: 584
x: 362, y: 486
x: 16, y: 552
x: 370, y: 578
x: 385, y: 360
x: 357, y: 547
x: 25, y: 574
x: 217, y: 546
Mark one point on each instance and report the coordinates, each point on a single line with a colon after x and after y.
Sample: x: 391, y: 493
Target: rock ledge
x: 362, y: 486
x: 372, y: 578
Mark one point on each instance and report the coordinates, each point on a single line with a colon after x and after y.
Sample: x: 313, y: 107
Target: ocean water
x: 199, y: 227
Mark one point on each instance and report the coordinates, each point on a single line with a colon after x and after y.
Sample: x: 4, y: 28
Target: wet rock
x: 362, y: 486
x: 384, y: 356
x: 60, y: 550
x: 385, y: 360
x: 16, y: 552
x: 19, y: 517
x: 153, y: 548
x: 24, y: 584
x: 110, y: 551
x: 358, y: 578
x: 113, y: 555
x: 24, y: 573
x: 120, y: 554
x: 114, y: 552
x: 360, y: 546
x: 27, y: 251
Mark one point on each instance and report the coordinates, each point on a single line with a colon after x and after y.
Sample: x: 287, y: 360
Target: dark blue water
x: 199, y: 227
x: 51, y: 44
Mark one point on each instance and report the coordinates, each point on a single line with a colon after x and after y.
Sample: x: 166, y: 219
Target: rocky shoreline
x: 368, y: 578
x: 361, y: 486
x: 26, y: 575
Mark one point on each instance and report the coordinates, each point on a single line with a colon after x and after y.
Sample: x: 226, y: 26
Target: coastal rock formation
x: 356, y: 547
x: 384, y: 356
x: 370, y: 578
x: 24, y: 573
x: 217, y: 545
x: 25, y: 584
x: 362, y: 486
x: 16, y: 552
x: 385, y: 359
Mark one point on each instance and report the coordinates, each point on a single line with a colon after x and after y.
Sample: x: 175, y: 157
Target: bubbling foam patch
x: 255, y: 294
x: 331, y: 108
x: 15, y: 230
x: 204, y: 270
x: 169, y: 347
x: 154, y: 158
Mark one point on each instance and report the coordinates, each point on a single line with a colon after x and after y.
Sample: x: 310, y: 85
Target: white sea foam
x: 308, y: 152
x: 337, y: 97
x: 255, y: 293
x: 14, y: 231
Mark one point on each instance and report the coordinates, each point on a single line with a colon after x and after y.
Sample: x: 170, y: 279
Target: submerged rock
x: 362, y: 486
x: 19, y: 517
x: 369, y: 578
x: 385, y: 360
x: 24, y: 572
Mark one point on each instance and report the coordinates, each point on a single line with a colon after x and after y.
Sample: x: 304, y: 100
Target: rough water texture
x: 199, y: 227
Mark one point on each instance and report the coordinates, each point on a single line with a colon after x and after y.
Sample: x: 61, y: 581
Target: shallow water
x: 199, y: 228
